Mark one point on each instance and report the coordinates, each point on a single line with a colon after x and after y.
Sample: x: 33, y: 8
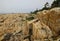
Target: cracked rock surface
x: 44, y: 27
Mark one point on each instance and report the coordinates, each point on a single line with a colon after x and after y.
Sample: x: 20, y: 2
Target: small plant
x: 30, y: 18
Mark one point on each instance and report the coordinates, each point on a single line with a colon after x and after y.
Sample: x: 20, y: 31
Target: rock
x: 26, y: 40
x: 44, y: 27
x: 11, y: 23
x: 51, y: 18
x: 41, y: 31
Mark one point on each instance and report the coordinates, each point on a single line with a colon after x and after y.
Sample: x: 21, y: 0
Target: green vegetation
x: 30, y: 18
x: 34, y: 12
x: 56, y: 3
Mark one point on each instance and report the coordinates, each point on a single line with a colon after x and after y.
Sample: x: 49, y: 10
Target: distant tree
x: 46, y: 6
x: 34, y: 12
x: 56, y: 3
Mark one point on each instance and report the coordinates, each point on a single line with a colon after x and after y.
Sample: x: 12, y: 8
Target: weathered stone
x: 26, y: 40
x: 41, y: 31
x: 51, y: 18
x: 44, y: 27
x: 11, y: 23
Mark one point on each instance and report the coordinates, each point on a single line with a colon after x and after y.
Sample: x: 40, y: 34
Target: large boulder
x: 41, y: 31
x: 51, y: 18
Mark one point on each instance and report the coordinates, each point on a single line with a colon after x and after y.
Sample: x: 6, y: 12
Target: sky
x: 21, y: 6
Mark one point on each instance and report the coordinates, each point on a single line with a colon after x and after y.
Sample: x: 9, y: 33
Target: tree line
x: 56, y: 3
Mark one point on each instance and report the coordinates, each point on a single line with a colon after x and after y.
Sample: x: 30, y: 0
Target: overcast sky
x: 17, y: 6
